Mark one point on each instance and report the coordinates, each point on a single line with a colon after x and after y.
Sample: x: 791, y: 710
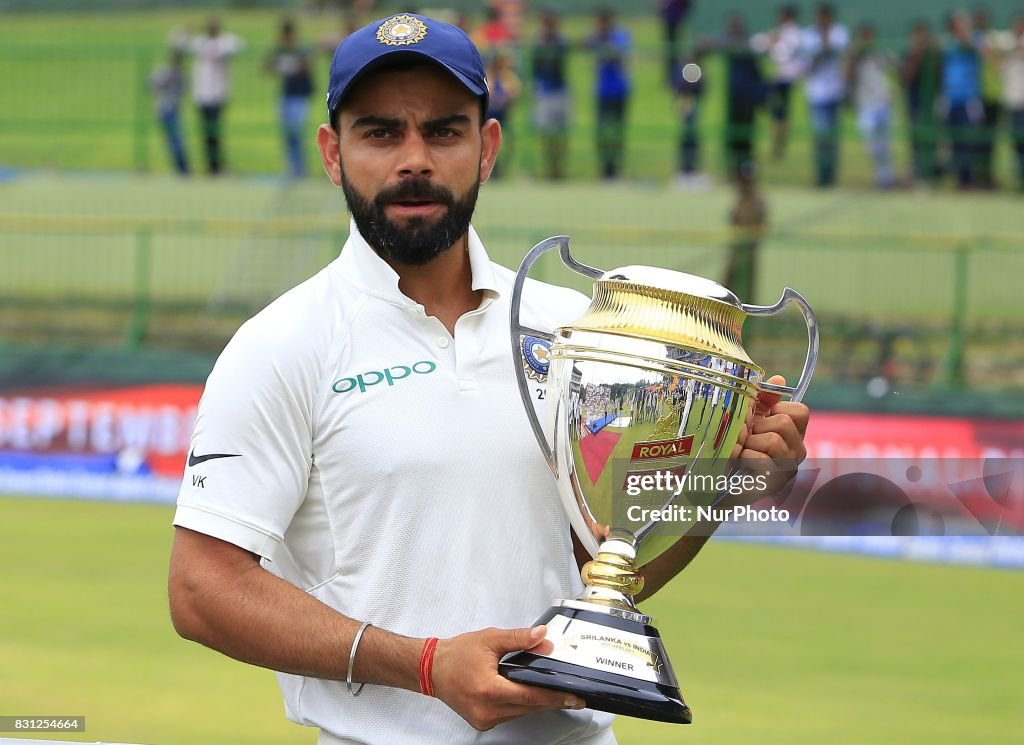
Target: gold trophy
x: 651, y: 379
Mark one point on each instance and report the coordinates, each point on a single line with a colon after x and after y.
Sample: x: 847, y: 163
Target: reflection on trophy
x: 653, y: 378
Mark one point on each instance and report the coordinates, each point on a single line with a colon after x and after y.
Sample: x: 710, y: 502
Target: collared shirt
x: 1013, y: 73
x: 871, y: 89
x: 823, y: 54
x: 210, y: 81
x: 387, y: 468
x: 785, y: 52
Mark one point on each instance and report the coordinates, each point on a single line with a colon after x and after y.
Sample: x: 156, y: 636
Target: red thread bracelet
x: 427, y: 666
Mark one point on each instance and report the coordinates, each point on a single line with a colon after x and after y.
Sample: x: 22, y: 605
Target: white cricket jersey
x: 389, y: 470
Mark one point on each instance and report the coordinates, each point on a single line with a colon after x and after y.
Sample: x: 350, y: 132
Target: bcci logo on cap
x: 401, y: 30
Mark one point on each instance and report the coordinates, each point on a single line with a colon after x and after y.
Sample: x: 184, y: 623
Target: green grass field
x: 770, y: 645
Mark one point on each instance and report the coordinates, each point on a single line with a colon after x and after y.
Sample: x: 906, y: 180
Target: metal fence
x: 924, y: 309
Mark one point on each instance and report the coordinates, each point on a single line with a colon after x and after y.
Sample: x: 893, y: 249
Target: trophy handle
x: 789, y: 295
x: 517, y: 331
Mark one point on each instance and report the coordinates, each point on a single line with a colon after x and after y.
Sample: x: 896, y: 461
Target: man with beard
x: 364, y: 501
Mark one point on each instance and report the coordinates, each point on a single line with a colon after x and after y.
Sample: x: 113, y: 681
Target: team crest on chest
x: 536, y: 358
x: 401, y: 30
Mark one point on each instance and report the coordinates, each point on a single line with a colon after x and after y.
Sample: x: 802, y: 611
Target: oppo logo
x: 390, y: 375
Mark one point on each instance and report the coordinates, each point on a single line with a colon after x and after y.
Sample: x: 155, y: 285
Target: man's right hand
x: 465, y: 676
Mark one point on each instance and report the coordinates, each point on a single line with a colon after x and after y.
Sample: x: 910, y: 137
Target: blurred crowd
x: 961, y: 86
x: 960, y: 83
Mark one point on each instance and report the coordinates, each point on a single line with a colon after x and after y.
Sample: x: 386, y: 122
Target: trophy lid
x: 663, y: 305
x: 673, y: 281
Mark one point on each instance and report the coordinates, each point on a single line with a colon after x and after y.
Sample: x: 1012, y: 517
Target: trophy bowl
x: 650, y: 385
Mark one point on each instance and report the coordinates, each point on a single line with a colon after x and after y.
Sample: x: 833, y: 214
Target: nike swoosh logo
x: 195, y: 460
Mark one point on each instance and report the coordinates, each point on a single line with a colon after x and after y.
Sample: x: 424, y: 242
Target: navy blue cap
x: 408, y: 35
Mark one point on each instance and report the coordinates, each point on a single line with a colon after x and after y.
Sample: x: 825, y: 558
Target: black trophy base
x: 603, y: 691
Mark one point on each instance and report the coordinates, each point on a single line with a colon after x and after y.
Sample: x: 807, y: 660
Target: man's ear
x: 490, y: 134
x: 330, y: 152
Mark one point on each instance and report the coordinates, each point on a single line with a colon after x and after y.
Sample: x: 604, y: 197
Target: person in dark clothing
x: 673, y: 19
x: 921, y: 73
x: 610, y: 44
x: 551, y: 94
x: 688, y: 83
x: 746, y: 93
x: 961, y: 91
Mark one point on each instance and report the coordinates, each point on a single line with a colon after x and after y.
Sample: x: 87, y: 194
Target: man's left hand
x: 775, y: 433
x: 776, y: 429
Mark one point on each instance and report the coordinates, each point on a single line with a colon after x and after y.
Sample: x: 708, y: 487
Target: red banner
x: 837, y: 435
x: 153, y: 421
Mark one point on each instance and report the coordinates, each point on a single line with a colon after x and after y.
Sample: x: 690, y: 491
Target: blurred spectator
x: 551, y: 93
x: 688, y: 83
x: 783, y: 46
x: 673, y: 20
x: 991, y: 97
x: 610, y: 44
x: 1011, y: 58
x: 746, y: 92
x: 747, y: 218
x: 168, y: 85
x: 329, y: 41
x: 824, y: 45
x: 355, y: 8
x: 868, y: 70
x: 211, y: 85
x: 961, y: 92
x: 920, y: 74
x: 293, y: 64
x: 511, y: 13
x: 493, y: 36
x: 503, y: 88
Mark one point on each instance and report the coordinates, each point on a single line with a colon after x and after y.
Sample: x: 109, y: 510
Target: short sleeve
x: 251, y: 449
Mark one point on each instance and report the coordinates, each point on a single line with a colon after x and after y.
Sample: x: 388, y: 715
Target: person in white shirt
x: 364, y: 501
x: 783, y: 45
x: 868, y: 71
x: 823, y: 48
x: 211, y: 86
x: 1009, y: 51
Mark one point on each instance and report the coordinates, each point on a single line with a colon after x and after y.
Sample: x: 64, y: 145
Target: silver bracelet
x: 352, y: 659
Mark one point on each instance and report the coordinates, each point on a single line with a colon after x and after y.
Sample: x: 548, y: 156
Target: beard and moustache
x: 419, y: 240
